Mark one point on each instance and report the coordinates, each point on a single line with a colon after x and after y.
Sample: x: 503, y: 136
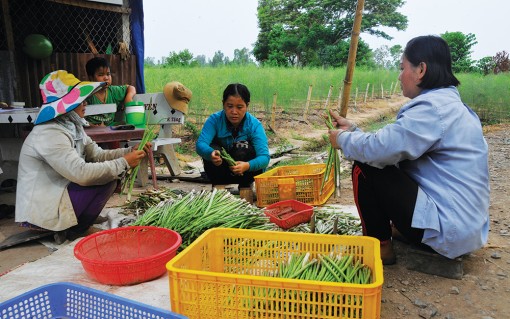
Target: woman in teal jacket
x: 240, y: 134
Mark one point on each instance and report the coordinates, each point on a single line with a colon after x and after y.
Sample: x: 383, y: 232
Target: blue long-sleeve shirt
x: 438, y: 142
x: 252, y: 131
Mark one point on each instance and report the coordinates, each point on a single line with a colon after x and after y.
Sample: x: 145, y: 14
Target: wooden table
x: 15, y: 125
x: 29, y: 114
x: 157, y: 111
x: 104, y: 134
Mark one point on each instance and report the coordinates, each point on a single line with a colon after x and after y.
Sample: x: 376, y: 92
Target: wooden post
x: 273, y: 112
x: 246, y: 193
x: 382, y: 91
x: 305, y: 114
x: 340, y: 89
x: 356, y: 99
x: 329, y: 97
x: 8, y: 26
x: 366, y: 93
x: 167, y: 151
x: 154, y: 176
x: 351, y: 61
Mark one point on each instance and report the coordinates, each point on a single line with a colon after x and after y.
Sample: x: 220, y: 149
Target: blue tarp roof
x: 137, y: 29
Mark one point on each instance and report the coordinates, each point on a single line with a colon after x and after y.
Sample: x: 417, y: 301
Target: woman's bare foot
x: 387, y: 254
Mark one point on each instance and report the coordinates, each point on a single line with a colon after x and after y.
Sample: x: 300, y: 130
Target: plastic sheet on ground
x: 62, y: 266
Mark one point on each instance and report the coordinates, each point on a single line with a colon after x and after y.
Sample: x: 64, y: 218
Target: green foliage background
x: 488, y: 95
x: 290, y: 84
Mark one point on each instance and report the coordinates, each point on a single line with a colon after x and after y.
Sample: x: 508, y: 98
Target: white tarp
x: 62, y: 266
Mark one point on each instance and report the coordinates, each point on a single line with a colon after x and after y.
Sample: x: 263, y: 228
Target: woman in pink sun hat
x: 65, y: 178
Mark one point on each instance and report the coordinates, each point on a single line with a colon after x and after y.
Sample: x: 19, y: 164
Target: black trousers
x: 222, y: 175
x: 384, y: 197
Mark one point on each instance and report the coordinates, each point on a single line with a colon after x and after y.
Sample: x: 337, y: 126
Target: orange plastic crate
x: 300, y: 182
x: 221, y: 275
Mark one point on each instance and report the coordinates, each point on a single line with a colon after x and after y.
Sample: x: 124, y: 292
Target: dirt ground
x: 482, y: 293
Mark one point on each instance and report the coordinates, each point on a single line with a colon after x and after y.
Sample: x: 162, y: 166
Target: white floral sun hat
x: 62, y: 92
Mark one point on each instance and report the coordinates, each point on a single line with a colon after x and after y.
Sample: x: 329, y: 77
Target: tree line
x: 316, y: 33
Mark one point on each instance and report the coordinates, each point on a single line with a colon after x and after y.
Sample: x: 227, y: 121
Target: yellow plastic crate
x: 300, y: 182
x: 220, y: 275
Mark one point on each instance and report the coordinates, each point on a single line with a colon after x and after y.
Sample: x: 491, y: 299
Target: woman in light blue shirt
x: 426, y: 175
x: 240, y: 134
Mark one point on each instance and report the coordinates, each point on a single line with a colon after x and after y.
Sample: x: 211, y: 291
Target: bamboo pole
x: 351, y: 61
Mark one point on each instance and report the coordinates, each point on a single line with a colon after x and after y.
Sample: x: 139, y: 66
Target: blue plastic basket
x: 68, y: 300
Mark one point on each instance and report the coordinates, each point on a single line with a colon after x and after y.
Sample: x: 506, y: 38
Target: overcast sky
x: 207, y: 26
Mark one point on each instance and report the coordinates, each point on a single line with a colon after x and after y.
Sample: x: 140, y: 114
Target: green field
x: 488, y: 95
x: 289, y: 87
x: 290, y: 84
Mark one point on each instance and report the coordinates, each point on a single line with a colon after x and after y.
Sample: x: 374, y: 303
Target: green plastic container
x: 135, y: 114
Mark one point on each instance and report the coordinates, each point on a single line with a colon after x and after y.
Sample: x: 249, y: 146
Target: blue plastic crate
x: 68, y: 300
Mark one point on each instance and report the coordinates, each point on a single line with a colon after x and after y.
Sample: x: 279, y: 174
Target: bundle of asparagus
x: 333, y: 162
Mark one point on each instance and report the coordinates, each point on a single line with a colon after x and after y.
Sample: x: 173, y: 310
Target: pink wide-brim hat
x: 62, y: 92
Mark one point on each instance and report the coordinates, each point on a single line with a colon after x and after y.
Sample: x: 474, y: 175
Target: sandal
x: 60, y: 237
x: 32, y: 226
